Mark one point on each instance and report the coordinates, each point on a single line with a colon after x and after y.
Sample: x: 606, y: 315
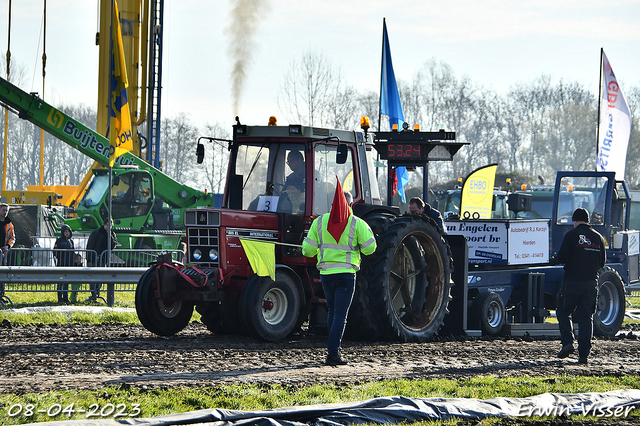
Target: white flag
x: 614, y: 126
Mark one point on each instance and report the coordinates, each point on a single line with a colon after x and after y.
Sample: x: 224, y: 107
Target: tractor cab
x: 294, y: 171
x: 131, y: 197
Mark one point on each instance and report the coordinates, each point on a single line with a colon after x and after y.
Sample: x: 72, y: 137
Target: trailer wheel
x: 487, y: 311
x: 161, y: 317
x: 403, y: 289
x: 270, y: 309
x: 611, y: 303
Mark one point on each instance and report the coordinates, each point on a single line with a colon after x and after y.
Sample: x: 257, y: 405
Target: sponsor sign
x: 501, y: 242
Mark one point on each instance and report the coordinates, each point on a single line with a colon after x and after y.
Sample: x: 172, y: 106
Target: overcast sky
x: 496, y: 43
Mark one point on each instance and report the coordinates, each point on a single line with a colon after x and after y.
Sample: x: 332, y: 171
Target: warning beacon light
x: 364, y: 123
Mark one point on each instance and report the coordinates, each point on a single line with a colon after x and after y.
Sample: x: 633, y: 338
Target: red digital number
x: 390, y: 151
x: 416, y: 149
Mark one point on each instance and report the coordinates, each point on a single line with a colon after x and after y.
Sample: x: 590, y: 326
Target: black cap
x: 580, y: 215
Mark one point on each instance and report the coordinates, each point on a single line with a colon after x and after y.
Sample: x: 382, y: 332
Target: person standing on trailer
x: 583, y: 254
x: 338, y: 238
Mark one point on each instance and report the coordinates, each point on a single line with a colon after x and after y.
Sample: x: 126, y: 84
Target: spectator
x: 7, y: 231
x: 416, y: 205
x: 97, y: 251
x: 63, y: 251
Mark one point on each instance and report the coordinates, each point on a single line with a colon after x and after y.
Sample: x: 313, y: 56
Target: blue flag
x: 389, y: 97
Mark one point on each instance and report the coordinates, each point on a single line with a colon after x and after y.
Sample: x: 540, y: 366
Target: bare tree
x: 313, y: 93
x: 216, y: 159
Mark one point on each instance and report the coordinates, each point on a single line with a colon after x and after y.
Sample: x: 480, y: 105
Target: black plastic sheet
x: 397, y: 409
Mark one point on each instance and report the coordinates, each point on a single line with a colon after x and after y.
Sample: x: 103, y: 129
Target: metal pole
x: 599, y: 100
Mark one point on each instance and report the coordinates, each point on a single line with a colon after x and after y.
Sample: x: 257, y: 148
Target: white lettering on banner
x: 614, y: 125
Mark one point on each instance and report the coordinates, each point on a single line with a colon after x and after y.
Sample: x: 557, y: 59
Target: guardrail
x: 17, y: 277
x: 34, y: 270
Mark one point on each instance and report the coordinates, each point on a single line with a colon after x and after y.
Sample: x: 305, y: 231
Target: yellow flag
x: 477, y: 193
x: 262, y: 257
x: 120, y: 137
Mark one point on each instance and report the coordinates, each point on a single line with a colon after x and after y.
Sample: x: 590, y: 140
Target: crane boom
x: 32, y: 108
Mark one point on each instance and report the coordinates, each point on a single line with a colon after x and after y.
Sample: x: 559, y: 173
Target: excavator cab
x: 131, y: 194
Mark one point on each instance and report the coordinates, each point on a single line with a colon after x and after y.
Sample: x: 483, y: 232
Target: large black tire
x: 269, y: 309
x: 161, y: 317
x: 403, y: 289
x: 611, y: 304
x: 487, y: 312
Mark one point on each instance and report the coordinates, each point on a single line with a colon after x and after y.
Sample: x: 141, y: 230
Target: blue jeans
x: 338, y: 290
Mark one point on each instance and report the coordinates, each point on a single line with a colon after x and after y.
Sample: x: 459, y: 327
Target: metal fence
x: 120, y: 258
x: 34, y: 270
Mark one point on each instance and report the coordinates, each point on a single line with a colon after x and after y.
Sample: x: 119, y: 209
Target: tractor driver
x: 295, y: 180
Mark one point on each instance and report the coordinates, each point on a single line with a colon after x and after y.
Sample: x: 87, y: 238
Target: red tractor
x: 279, y: 179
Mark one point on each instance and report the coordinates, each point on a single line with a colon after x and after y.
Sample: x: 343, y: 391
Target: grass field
x: 246, y: 397
x: 157, y: 402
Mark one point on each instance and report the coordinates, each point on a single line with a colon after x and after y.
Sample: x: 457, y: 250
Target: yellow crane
x: 135, y: 22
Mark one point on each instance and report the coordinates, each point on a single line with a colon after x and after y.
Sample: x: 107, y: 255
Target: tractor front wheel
x: 161, y: 317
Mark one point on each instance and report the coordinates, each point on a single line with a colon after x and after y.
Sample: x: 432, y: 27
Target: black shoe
x: 334, y: 360
x: 565, y: 351
x: 582, y: 360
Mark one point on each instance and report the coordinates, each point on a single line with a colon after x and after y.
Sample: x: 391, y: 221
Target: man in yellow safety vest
x: 338, y: 238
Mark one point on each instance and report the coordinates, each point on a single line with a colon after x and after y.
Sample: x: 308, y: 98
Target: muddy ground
x: 37, y: 358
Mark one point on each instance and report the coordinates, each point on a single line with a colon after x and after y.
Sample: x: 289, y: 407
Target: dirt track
x: 37, y: 358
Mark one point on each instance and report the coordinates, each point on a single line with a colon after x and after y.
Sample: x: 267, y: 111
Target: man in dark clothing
x: 63, y: 251
x: 97, y: 251
x: 295, y: 180
x: 416, y: 205
x: 97, y: 245
x: 7, y: 231
x: 583, y: 254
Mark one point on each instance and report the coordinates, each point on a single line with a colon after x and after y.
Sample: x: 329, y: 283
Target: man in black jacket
x: 583, y: 254
x: 97, y: 251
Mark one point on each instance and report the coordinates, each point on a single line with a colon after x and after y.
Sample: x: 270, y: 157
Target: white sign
x: 487, y: 241
x: 502, y: 242
x: 528, y: 242
x: 268, y: 203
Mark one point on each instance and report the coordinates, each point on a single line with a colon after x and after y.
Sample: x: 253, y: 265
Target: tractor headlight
x: 197, y: 254
x: 213, y: 254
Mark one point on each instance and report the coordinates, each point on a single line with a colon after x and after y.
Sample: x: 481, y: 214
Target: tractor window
x: 587, y: 192
x: 273, y: 177
x: 325, y: 171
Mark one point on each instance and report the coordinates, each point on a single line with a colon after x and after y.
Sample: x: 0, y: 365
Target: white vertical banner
x: 614, y: 124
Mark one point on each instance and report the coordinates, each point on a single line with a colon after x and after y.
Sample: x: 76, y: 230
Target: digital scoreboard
x: 415, y: 147
x: 405, y: 151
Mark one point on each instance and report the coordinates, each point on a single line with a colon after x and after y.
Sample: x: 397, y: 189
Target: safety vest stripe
x: 337, y: 247
x: 311, y: 242
x: 352, y: 232
x: 327, y: 266
x: 348, y: 249
x: 368, y: 243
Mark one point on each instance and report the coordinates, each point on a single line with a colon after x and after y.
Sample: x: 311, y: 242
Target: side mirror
x: 341, y: 156
x: 200, y: 153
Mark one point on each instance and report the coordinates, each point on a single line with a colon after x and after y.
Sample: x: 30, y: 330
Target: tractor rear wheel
x: 161, y: 317
x: 403, y: 289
